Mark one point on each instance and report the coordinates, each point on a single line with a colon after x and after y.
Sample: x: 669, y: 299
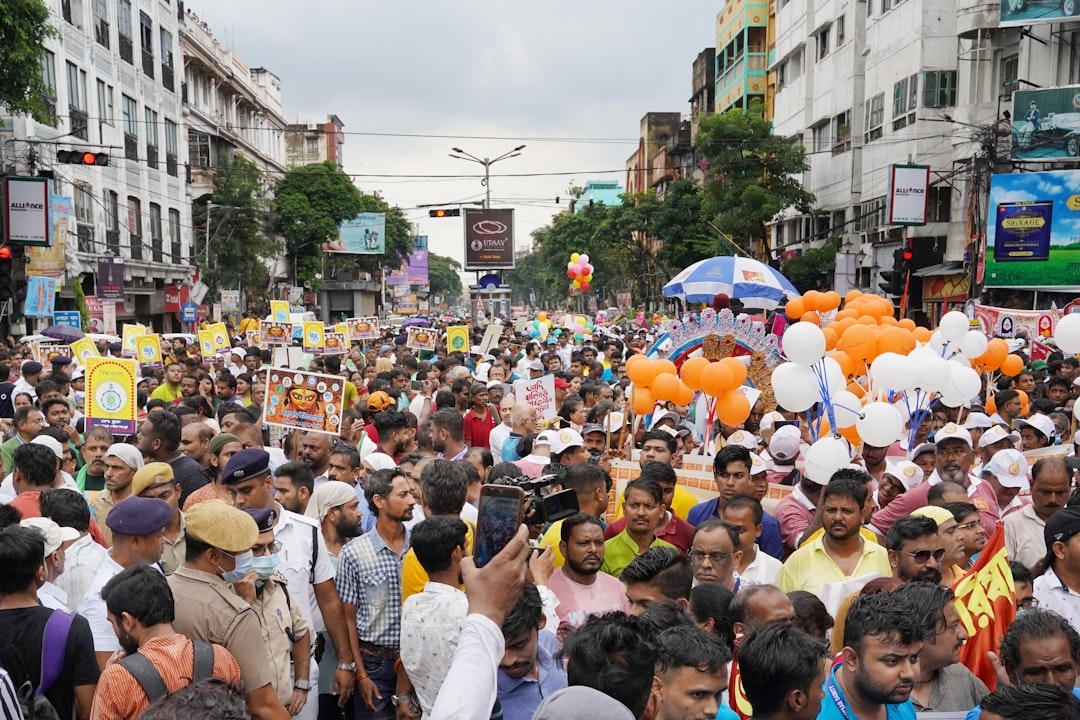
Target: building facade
x: 741, y: 53
x: 314, y: 142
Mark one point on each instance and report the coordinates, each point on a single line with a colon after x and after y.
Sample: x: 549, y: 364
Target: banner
x: 334, y: 343
x: 908, y: 196
x: 275, y: 333
x: 110, y: 278
x: 414, y: 271
x: 148, y: 351
x: 363, y: 328
x: 130, y: 334
x: 251, y: 337
x: 40, y: 297
x: 457, y: 339
x: 219, y: 339
x: 540, y: 393
x: 421, y: 338
x: 986, y: 601
x: 1008, y: 323
x: 110, y: 394
x: 84, y: 348
x: 489, y: 239
x: 1031, y: 235
x: 314, y: 337
x: 230, y: 301
x: 108, y: 317
x: 49, y: 261
x: 279, y: 311
x: 1026, y: 12
x: 365, y: 234
x: 303, y: 401
x: 26, y: 211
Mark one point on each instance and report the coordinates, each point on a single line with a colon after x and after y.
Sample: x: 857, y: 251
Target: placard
x: 334, y: 343
x: 108, y: 316
x: 304, y: 401
x: 279, y: 311
x: 539, y: 393
x: 314, y: 337
x: 275, y: 333
x: 457, y: 339
x: 110, y: 394
x: 230, y: 301
x: 40, y: 297
x: 84, y: 348
x: 363, y: 328
x: 131, y: 332
x: 148, y: 351
x: 491, y: 337
x: 421, y: 338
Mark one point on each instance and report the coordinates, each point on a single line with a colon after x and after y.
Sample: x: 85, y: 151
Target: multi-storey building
x: 114, y: 73
x: 313, y: 143
x: 741, y: 53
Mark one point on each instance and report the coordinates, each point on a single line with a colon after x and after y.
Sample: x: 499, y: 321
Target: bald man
x: 195, y: 442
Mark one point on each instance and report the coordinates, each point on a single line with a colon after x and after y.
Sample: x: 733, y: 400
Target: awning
x: 949, y: 268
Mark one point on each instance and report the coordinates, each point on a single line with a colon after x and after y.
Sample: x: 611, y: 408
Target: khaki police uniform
x: 282, y: 621
x: 207, y: 609
x: 173, y: 551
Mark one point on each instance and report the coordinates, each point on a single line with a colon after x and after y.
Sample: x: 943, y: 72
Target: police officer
x: 284, y: 626
x: 156, y: 480
x: 218, y: 541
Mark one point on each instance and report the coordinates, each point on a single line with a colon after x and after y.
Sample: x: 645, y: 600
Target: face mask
x: 244, y: 563
x: 265, y: 565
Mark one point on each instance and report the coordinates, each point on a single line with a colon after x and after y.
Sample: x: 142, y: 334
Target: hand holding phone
x: 498, y: 520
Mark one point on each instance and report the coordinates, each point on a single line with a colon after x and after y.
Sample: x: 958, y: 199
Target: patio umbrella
x: 753, y: 283
x: 65, y: 333
x: 416, y: 322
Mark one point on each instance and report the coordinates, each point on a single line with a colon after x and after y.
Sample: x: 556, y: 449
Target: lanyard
x: 834, y: 693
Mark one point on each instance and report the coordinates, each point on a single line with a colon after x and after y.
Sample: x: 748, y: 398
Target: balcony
x: 135, y: 244
x: 152, y: 156
x: 101, y: 32
x: 131, y: 146
x: 148, y: 63
x: 167, y: 79
x: 112, y: 242
x: 171, y: 165
x: 85, y: 233
x: 127, y: 50
x: 80, y: 123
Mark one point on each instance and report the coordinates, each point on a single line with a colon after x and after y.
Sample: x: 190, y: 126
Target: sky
x: 479, y: 69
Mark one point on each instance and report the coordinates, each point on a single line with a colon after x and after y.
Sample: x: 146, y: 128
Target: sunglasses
x: 923, y: 556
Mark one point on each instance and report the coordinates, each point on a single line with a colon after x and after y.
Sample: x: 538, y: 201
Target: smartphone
x: 498, y: 520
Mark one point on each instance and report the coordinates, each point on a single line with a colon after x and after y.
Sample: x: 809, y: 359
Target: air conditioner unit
x: 312, y: 126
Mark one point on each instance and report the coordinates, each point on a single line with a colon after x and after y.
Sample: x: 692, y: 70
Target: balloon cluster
x: 582, y: 327
x: 660, y: 381
x: 540, y: 327
x: 579, y: 271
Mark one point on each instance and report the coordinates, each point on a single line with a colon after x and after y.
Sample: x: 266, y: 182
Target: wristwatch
x: 304, y: 685
x: 398, y: 700
x: 350, y: 667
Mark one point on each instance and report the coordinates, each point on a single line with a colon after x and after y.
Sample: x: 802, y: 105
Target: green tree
x: 24, y: 26
x: 813, y: 270
x: 444, y: 278
x: 240, y: 242
x: 752, y: 174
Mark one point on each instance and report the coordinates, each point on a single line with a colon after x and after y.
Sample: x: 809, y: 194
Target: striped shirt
x: 369, y: 578
x: 119, y: 695
x: 9, y: 701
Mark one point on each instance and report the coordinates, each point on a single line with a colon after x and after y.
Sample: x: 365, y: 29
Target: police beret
x: 264, y: 518
x: 246, y: 464
x: 61, y: 360
x: 151, y: 475
x: 115, y: 347
x: 32, y: 367
x: 136, y: 515
x: 221, y: 526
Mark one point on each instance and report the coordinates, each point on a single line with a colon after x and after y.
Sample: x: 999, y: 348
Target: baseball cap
x: 769, y: 420
x: 1061, y: 526
x: 536, y: 365
x: 743, y: 438
x: 939, y: 515
x: 564, y: 440
x: 55, y: 535
x: 1040, y: 423
x: 757, y: 464
x: 1010, y: 468
x: 239, y: 351
x: 908, y: 473
x: 977, y: 420
x: 591, y: 428
x: 1039, y: 365
x: 547, y: 437
x: 475, y: 350
x: 952, y: 431
x: 996, y: 434
x: 379, y: 401
x: 673, y: 417
x: 926, y: 447
x: 785, y: 443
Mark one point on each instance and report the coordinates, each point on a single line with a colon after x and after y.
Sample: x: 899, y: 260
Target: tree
x: 752, y: 174
x: 443, y: 276
x: 24, y: 26
x: 240, y: 243
x: 813, y: 270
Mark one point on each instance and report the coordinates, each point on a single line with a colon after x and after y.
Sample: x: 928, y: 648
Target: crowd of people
x: 213, y: 565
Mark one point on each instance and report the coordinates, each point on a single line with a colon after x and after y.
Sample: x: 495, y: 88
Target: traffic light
x: 445, y: 212
x: 895, y: 278
x: 7, y: 274
x: 82, y: 157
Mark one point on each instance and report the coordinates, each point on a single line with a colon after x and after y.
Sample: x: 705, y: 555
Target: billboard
x: 1046, y: 123
x: 908, y: 196
x: 489, y: 239
x: 365, y: 234
x: 110, y: 277
x: 414, y: 271
x: 1033, y: 230
x: 26, y: 211
x: 1031, y: 12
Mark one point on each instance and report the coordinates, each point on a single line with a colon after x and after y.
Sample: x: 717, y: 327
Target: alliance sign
x: 909, y: 195
x: 26, y: 211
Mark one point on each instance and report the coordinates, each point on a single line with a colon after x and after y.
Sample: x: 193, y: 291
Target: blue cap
x: 139, y: 516
x: 32, y: 367
x: 244, y: 465
x: 264, y: 518
x: 61, y: 360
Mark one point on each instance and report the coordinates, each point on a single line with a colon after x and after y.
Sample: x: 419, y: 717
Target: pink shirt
x: 577, y: 602
x: 794, y: 513
x: 901, y: 506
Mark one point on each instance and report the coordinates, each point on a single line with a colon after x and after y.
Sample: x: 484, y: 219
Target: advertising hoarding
x: 489, y: 239
x: 1046, y: 123
x: 365, y: 234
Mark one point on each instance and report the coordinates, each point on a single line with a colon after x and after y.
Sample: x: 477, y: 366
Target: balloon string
x: 826, y: 401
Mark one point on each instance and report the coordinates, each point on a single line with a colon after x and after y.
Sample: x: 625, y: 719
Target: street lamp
x: 460, y: 154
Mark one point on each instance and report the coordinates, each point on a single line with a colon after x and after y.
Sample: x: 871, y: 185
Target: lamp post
x: 460, y: 154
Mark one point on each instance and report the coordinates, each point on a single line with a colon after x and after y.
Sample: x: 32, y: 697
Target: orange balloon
x: 845, y: 361
x: 846, y: 313
x: 643, y: 401
x: 665, y: 387
x: 842, y: 325
x: 684, y: 395
x: 990, y: 405
x: 852, y: 295
x: 858, y: 341
x: 887, y: 321
x: 738, y: 371
x: 867, y: 319
x: 856, y: 389
x: 895, y: 340
x: 1025, y: 405
x: 642, y: 373
x: 831, y: 301
x: 921, y: 334
x: 996, y: 352
x: 665, y: 367
x: 810, y: 299
x: 1012, y: 365
x: 716, y: 378
x: 831, y: 336
x: 811, y: 316
x: 732, y: 408
x: 634, y: 360
x: 851, y: 434
x: 906, y: 323
x: 795, y: 308
x: 690, y: 372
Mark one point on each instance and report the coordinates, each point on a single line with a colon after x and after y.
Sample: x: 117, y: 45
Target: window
x: 886, y: 5
x: 823, y: 43
x: 1010, y: 71
x: 155, y: 232
x: 151, y: 138
x: 170, y: 147
x: 839, y: 31
x: 312, y: 146
x: 781, y: 75
x: 199, y: 149
x: 76, y: 89
x: 939, y: 88
x: 131, y: 117
x: 174, y: 236
x: 146, y: 33
x: 123, y: 30
x: 166, y: 48
x: 101, y: 22
x: 870, y: 215
x: 105, y: 103
x: 905, y: 99
x: 875, y: 117
x: 48, y: 73
x: 73, y: 12
x: 112, y: 210
x: 134, y: 227
x: 821, y: 137
x: 837, y: 222
x: 841, y: 132
x: 84, y: 203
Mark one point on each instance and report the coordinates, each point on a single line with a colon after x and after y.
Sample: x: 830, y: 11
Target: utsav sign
x: 909, y: 194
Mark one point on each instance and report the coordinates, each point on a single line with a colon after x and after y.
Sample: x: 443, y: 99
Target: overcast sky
x: 557, y: 69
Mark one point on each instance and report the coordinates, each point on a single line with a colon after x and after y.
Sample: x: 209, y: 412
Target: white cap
x: 952, y: 431
x: 769, y: 420
x: 908, y: 473
x: 1010, y: 468
x: 757, y: 464
x: 924, y: 448
x: 673, y: 417
x: 547, y: 437
x: 475, y: 350
x: 978, y: 420
x: 998, y: 433
x: 565, y: 439
x: 55, y: 535
x: 785, y: 444
x: 51, y: 443
x: 239, y: 351
x: 746, y: 439
x: 1040, y: 423
x: 128, y: 453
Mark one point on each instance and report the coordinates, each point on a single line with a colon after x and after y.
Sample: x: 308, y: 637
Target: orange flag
x: 986, y: 601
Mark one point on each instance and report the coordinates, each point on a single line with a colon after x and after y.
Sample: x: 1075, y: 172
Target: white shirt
x: 417, y: 404
x: 93, y: 607
x: 496, y: 438
x: 1024, y: 536
x: 294, y: 532
x: 763, y: 571
x: 471, y: 684
x: 20, y: 387
x: 52, y: 597
x: 469, y: 513
x: 430, y: 625
x: 1053, y: 595
x: 81, y: 562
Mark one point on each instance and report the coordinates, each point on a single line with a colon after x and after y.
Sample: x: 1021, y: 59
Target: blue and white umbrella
x: 753, y: 283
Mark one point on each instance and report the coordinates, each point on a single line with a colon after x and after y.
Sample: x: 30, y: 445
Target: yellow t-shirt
x: 164, y: 393
x: 866, y: 533
x: 351, y: 393
x: 413, y: 575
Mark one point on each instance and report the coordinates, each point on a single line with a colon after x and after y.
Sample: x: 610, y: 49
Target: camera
x: 541, y: 507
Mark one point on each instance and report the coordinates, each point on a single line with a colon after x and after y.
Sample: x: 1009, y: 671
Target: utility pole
x: 460, y: 154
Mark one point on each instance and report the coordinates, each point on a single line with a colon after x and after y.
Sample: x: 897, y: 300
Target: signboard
x: 110, y: 394
x: 49, y: 261
x: 71, y: 318
x: 230, y: 301
x: 84, y: 348
x: 275, y: 333
x: 26, y: 211
x: 148, y: 351
x: 414, y: 271
x: 189, y: 313
x: 108, y: 316
x: 421, y: 338
x: 314, y: 337
x: 40, y: 297
x: 908, y: 196
x: 1028, y: 12
x: 130, y: 335
x: 539, y: 393
x: 1009, y: 323
x: 1032, y: 238
x: 279, y: 311
x: 365, y: 234
x: 110, y: 278
x: 303, y: 401
x: 457, y: 339
x: 173, y: 299
x: 334, y: 343
x: 363, y: 328
x: 1046, y: 122
x: 489, y: 239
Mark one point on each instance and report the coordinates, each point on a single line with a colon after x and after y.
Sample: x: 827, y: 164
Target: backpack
x: 33, y: 703
x: 149, y: 678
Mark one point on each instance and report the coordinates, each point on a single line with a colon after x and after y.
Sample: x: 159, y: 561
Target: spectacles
x: 715, y: 558
x: 260, y: 550
x: 969, y: 525
x: 923, y: 556
x: 1029, y: 603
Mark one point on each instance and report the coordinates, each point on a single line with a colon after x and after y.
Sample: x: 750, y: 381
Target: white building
x: 114, y: 74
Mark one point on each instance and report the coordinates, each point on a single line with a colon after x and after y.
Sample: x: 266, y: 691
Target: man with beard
x: 121, y: 462
x: 392, y: 427
x: 579, y: 585
x: 528, y: 671
x: 915, y: 551
x: 170, y: 391
x: 879, y: 663
x: 141, y: 610
x: 874, y: 459
x: 369, y: 580
x: 159, y: 439
x: 691, y: 674
x: 92, y: 475
x: 841, y: 552
x: 1050, y: 485
x: 293, y: 486
x: 315, y: 451
x: 944, y: 684
x: 448, y: 434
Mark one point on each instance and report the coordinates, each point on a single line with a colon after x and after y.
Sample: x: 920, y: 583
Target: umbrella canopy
x: 753, y: 283
x: 416, y: 322
x: 66, y: 333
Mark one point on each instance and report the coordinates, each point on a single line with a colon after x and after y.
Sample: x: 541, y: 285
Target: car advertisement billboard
x: 1032, y: 12
x: 489, y: 239
x: 1046, y: 123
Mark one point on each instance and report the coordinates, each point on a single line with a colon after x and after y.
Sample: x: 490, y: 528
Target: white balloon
x: 846, y: 408
x: 834, y: 376
x: 973, y: 344
x: 891, y: 371
x: 795, y: 386
x: 880, y: 424
x: 937, y: 342
x: 1067, y: 333
x: 954, y: 325
x: 825, y: 457
x: 950, y: 398
x: 931, y: 372
x: 963, y: 383
x: 804, y: 343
